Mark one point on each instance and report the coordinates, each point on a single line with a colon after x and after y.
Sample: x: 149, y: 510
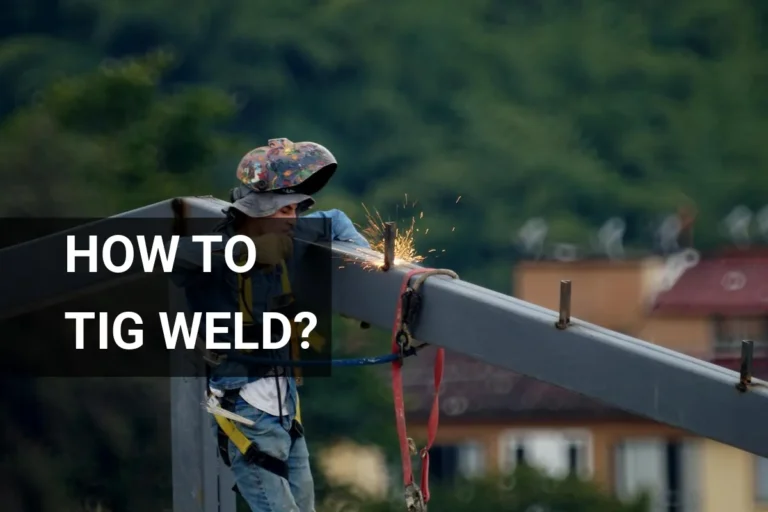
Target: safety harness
x: 406, y: 315
x: 250, y: 451
x: 223, y: 409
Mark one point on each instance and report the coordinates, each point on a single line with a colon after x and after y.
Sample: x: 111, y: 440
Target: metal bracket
x: 390, y: 234
x: 414, y: 499
x: 564, y: 319
x: 411, y: 307
x: 745, y: 370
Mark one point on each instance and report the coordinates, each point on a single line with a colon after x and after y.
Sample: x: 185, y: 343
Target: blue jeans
x: 265, y: 491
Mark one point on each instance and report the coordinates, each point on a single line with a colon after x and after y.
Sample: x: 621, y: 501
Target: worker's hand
x: 273, y: 248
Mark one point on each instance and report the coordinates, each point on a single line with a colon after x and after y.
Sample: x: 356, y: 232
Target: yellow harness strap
x: 249, y: 450
x: 284, y: 278
x: 245, y: 293
x: 294, y: 341
x: 238, y: 438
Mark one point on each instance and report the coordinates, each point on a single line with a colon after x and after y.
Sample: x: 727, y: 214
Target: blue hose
x: 357, y: 361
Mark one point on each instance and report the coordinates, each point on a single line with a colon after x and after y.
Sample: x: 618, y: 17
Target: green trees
x: 111, y: 139
x: 90, y: 145
x: 575, y: 112
x: 526, y: 490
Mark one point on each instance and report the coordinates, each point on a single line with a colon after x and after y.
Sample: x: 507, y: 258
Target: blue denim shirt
x: 218, y: 290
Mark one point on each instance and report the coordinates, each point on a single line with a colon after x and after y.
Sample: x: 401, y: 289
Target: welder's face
x: 283, y: 221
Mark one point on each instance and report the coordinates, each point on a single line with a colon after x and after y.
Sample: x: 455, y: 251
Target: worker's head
x: 277, y: 184
x: 258, y: 213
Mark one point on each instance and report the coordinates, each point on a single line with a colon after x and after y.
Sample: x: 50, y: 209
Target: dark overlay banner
x: 148, y: 297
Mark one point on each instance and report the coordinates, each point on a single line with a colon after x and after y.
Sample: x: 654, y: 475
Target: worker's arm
x: 342, y: 228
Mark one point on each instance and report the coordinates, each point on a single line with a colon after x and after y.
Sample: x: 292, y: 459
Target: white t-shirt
x: 262, y: 394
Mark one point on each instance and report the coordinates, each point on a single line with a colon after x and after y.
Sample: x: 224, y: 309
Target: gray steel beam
x: 30, y: 280
x: 619, y: 370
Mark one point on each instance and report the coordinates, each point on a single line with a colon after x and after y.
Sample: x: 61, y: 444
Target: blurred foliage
x: 110, y: 140
x: 575, y: 111
x: 525, y: 490
x: 68, y: 444
x: 570, y: 110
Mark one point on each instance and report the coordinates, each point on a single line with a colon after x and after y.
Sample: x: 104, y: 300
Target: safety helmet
x: 286, y: 167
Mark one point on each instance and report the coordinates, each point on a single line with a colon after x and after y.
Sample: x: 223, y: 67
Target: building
x: 492, y: 418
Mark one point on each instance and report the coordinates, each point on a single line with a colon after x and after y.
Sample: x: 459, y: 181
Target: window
x: 557, y: 453
x: 761, y: 479
x: 471, y: 460
x: 730, y: 332
x: 448, y: 462
x: 667, y: 470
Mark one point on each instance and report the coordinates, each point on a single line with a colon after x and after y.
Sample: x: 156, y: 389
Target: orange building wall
x: 692, y: 335
x: 614, y: 295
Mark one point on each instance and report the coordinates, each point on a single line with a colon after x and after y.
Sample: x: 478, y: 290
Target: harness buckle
x: 411, y: 306
x: 403, y: 342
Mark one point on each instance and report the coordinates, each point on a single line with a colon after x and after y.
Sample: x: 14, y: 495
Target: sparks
x: 405, y: 248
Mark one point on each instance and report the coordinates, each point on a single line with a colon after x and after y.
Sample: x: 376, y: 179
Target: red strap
x: 434, y: 419
x: 397, y: 392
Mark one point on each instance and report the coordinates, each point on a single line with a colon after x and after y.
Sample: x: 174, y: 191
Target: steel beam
x: 625, y: 372
x: 619, y: 370
x: 30, y: 280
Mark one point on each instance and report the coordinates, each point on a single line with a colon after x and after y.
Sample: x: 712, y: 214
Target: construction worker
x: 265, y: 445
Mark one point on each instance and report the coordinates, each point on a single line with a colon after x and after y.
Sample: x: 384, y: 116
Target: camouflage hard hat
x: 287, y: 167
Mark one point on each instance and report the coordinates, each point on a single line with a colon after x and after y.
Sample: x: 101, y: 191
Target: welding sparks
x: 405, y: 247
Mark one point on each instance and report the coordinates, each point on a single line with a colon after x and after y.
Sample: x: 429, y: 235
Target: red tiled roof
x: 734, y: 284
x: 475, y: 391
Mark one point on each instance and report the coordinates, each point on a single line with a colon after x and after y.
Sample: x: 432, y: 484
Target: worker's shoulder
x: 332, y: 214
